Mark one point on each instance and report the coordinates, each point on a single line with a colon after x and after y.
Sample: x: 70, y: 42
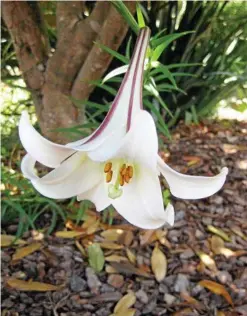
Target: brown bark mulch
x: 191, y: 247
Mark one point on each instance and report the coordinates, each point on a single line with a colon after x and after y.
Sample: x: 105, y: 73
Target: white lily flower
x: 118, y: 164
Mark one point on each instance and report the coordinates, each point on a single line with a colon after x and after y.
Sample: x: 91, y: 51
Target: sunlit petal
x: 141, y: 203
x: 141, y: 142
x: 98, y: 195
x: 43, y: 150
x: 127, y: 103
x: 74, y: 176
x: 191, y: 187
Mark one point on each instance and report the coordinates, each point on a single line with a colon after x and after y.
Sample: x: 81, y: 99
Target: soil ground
x: 190, y: 246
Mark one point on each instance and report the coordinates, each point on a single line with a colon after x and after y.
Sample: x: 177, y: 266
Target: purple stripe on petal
x: 137, y: 50
x: 141, y: 60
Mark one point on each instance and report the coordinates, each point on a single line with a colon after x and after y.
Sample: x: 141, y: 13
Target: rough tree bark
x: 54, y: 78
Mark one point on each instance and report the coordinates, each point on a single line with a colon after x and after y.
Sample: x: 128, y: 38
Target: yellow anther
x: 126, y: 178
x: 130, y: 171
x: 109, y: 176
x: 108, y: 166
x: 122, y: 168
x: 121, y: 179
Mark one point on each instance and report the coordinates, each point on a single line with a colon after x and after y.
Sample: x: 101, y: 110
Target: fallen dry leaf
x: 69, y: 234
x: 93, y: 228
x: 110, y: 245
x: 217, y: 246
x: 80, y: 248
x: 112, y: 234
x: 220, y: 313
x: 128, y: 268
x: 126, y: 312
x: 126, y: 238
x: 131, y: 256
x: 25, y: 251
x: 125, y: 302
x: 31, y: 286
x: 7, y: 240
x: 217, y: 288
x: 237, y: 231
x: 70, y: 225
x: 116, y: 258
x: 219, y: 232
x: 217, y: 243
x: 109, y: 269
x: 145, y: 236
x: 158, y: 264
x: 184, y: 312
x: 191, y: 300
x: 208, y: 261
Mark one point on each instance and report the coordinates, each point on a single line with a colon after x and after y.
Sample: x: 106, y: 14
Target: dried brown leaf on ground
x: 7, y: 240
x: 217, y: 243
x: 191, y: 300
x: 25, y: 251
x: 112, y: 234
x: 158, y: 264
x: 31, y: 286
x: 207, y: 261
x: 217, y: 288
x: 125, y: 302
x: 127, y: 312
x: 219, y: 232
x: 131, y: 256
x: 69, y: 234
x: 110, y: 245
x: 115, y: 258
x: 128, y: 268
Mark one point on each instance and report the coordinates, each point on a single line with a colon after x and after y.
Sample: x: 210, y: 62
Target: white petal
x: 98, y: 195
x: 74, y: 176
x: 141, y: 142
x: 141, y: 203
x: 126, y: 104
x: 191, y: 187
x: 43, y: 150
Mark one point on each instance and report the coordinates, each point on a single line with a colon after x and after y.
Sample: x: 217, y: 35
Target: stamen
x: 108, y: 167
x: 123, y: 169
x: 109, y: 176
x: 130, y: 171
x: 126, y: 178
x: 121, y: 179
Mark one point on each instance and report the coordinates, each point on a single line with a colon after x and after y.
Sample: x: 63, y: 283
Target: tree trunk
x: 54, y: 78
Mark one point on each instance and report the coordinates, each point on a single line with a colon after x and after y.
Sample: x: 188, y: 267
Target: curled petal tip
x: 170, y: 216
x: 224, y: 171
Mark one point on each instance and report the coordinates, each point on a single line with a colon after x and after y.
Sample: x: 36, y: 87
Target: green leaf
x: 96, y: 257
x: 166, y: 197
x: 183, y: 65
x: 112, y: 52
x: 140, y: 17
x: 160, y: 44
x: 124, y: 11
x: 166, y: 72
x: 194, y: 114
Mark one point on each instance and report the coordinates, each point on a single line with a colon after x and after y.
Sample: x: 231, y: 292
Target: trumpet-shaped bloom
x: 118, y: 164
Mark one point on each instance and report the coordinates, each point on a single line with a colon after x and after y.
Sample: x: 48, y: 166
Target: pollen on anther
x: 126, y: 178
x: 130, y: 171
x: 121, y: 179
x: 108, y: 167
x: 109, y: 176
